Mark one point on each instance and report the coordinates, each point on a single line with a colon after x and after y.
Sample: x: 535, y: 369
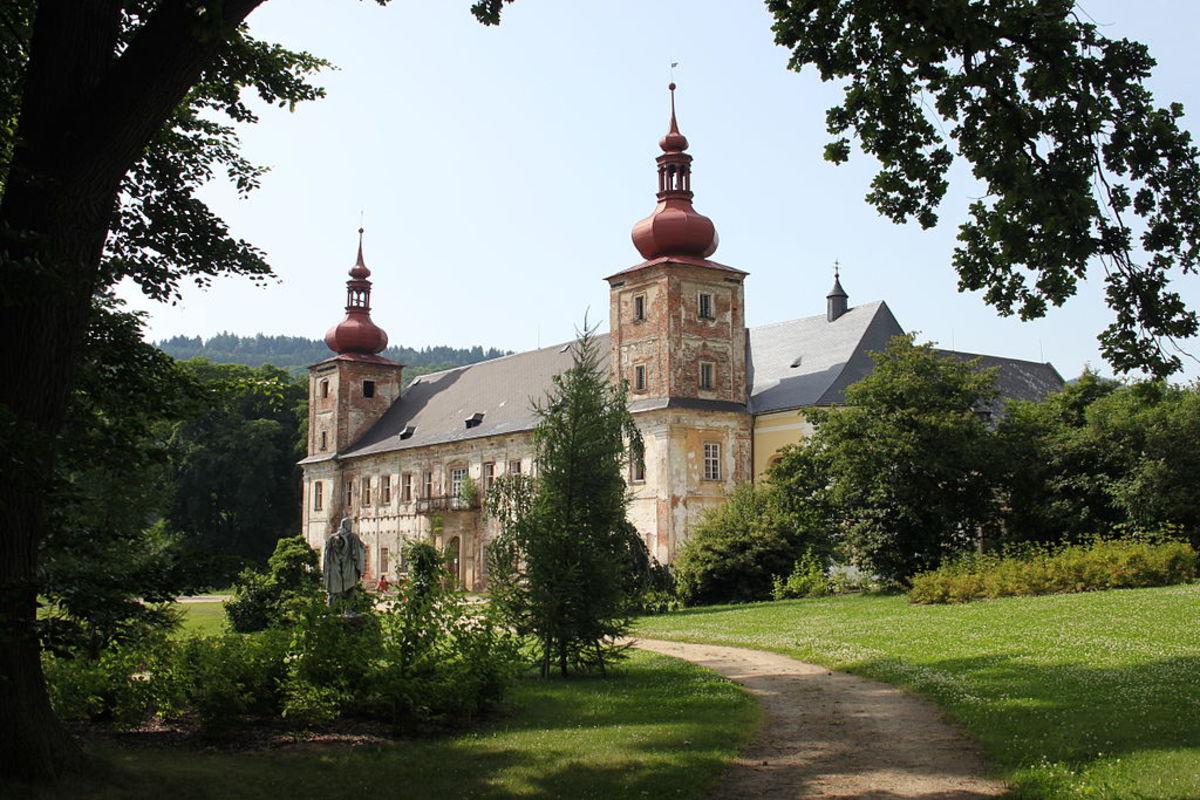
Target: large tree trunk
x: 85, y: 117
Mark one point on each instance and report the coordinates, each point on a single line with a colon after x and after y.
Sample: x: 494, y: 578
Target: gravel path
x: 833, y: 735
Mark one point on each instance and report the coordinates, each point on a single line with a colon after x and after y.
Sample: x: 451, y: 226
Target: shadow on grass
x: 656, y: 726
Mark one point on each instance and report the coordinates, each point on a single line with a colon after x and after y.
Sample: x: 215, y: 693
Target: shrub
x: 1128, y: 562
x: 290, y: 584
x: 737, y: 548
x: 431, y: 659
x: 808, y: 579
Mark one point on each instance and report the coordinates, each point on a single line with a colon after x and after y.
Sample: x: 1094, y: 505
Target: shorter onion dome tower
x: 349, y: 391
x: 677, y: 319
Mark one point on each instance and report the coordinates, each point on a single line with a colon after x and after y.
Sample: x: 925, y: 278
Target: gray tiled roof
x: 1015, y: 379
x: 503, y: 389
x: 804, y: 362
x: 810, y: 361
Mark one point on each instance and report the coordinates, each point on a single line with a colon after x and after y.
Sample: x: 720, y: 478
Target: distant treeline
x: 295, y: 353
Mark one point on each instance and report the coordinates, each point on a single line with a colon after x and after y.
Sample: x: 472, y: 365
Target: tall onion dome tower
x: 349, y: 391
x: 677, y: 318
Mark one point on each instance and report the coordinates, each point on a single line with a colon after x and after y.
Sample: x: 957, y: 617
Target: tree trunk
x: 85, y: 117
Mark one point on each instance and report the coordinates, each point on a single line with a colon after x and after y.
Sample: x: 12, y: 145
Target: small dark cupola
x: 357, y: 333
x: 836, y: 300
x: 675, y: 228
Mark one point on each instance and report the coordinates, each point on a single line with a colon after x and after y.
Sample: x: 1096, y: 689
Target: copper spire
x: 675, y: 228
x: 357, y: 333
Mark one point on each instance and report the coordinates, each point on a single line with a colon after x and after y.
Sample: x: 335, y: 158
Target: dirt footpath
x: 834, y: 735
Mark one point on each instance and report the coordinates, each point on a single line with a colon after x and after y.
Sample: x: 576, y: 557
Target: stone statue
x: 344, y: 563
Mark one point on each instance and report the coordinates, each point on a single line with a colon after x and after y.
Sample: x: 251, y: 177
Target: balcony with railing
x: 449, y: 502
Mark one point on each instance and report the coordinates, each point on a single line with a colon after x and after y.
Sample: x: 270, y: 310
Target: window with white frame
x: 514, y: 466
x: 707, y: 370
x: 457, y: 476
x: 489, y: 474
x: 712, y: 461
x: 704, y: 305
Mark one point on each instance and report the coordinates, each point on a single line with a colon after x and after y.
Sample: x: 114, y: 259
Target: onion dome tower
x: 349, y: 391
x: 675, y: 228
x: 677, y: 319
x: 357, y: 333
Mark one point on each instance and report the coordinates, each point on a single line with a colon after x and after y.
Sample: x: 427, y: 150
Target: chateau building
x: 714, y: 401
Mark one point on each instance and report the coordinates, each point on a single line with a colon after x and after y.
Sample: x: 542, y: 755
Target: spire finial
x: 674, y: 141
x: 359, y: 262
x: 836, y: 270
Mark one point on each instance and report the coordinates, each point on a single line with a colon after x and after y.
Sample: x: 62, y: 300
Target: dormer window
x: 475, y: 420
x: 408, y: 431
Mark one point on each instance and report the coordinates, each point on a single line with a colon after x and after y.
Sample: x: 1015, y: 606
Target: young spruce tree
x: 565, y: 567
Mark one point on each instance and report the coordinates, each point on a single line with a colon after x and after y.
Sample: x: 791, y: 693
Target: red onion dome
x: 356, y: 334
x: 675, y: 229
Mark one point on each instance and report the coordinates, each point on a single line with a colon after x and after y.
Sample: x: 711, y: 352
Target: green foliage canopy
x: 1079, y: 167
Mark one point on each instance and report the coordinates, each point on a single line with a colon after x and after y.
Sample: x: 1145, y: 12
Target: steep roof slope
x: 811, y: 361
x: 436, y: 406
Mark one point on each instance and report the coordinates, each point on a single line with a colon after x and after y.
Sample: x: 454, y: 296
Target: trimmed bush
x: 1126, y: 563
x: 808, y: 579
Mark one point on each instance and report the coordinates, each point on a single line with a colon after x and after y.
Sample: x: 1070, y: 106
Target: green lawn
x: 1091, y: 695
x: 204, y: 619
x: 658, y: 728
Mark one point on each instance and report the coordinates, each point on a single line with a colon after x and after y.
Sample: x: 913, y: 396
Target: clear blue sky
x: 499, y: 171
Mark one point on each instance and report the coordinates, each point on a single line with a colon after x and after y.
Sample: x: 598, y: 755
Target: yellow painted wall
x: 773, y: 431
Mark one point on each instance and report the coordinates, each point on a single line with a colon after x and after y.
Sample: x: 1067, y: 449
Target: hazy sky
x: 498, y: 172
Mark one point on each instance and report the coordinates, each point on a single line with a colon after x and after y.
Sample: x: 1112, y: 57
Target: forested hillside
x: 295, y: 353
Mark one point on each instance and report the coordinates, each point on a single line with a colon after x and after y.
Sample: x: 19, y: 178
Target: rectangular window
x: 366, y: 491
x: 324, y: 443
x: 514, y: 467
x: 639, y: 377
x: 707, y: 368
x: 428, y: 484
x: 489, y: 475
x: 385, y: 489
x: 406, y: 487
x: 325, y: 387
x: 457, y: 476
x: 637, y: 470
x: 384, y: 560
x: 639, y: 308
x: 712, y: 461
x: 368, y: 388
x: 705, y: 305
x: 318, y: 495
x: 349, y: 493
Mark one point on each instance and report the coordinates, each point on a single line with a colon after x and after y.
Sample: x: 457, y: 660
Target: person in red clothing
x: 383, y: 584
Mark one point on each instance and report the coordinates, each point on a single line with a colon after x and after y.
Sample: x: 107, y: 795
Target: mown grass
x: 1091, y: 695
x: 657, y: 728
x: 202, y: 619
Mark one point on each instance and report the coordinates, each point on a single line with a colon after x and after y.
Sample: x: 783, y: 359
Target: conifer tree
x: 565, y: 568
